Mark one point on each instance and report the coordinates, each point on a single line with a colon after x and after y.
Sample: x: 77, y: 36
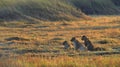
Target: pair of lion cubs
x: 78, y: 46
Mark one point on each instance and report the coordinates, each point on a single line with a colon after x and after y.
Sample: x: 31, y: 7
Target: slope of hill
x: 40, y: 9
x: 54, y: 10
x: 102, y: 7
x: 116, y: 2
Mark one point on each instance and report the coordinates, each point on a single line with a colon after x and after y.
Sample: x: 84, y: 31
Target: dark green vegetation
x: 38, y: 9
x: 101, y: 7
x: 54, y: 10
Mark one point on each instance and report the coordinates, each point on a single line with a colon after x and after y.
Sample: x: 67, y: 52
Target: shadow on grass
x: 35, y: 51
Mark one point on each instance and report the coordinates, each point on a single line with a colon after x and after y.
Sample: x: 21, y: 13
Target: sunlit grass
x: 64, y: 61
x: 44, y: 47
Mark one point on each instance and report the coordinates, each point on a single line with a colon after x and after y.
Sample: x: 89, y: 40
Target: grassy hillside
x: 116, y: 2
x: 98, y: 6
x: 54, y: 10
x: 39, y: 9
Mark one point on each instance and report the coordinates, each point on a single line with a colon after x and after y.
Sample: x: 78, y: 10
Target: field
x: 24, y: 44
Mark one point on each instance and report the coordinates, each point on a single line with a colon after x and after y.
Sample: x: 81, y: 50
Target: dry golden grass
x: 63, y: 61
x: 46, y: 38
